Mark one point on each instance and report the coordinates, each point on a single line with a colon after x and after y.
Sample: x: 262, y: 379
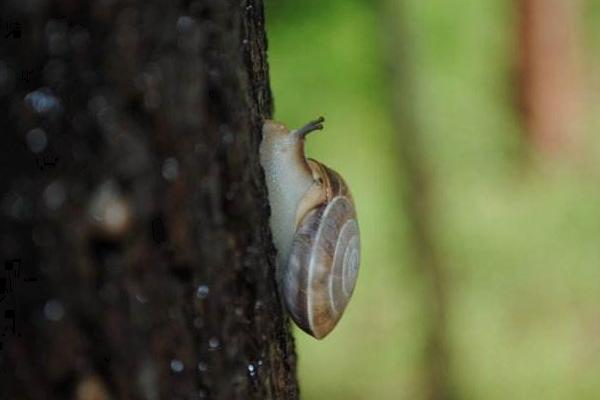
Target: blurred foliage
x: 519, y: 238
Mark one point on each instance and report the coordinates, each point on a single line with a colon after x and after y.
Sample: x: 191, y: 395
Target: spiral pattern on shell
x: 323, y: 263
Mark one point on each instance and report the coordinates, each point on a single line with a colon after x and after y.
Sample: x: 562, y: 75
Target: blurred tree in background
x: 550, y: 74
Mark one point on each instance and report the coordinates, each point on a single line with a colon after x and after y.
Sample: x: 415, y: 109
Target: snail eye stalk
x: 310, y: 127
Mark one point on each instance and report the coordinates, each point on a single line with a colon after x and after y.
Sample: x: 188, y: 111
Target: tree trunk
x: 138, y: 258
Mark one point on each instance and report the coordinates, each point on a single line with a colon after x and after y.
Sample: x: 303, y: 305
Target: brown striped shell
x: 323, y: 262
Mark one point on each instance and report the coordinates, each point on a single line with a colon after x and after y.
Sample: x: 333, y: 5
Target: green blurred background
x: 423, y: 118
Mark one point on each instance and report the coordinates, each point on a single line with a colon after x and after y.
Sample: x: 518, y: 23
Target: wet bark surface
x: 137, y: 259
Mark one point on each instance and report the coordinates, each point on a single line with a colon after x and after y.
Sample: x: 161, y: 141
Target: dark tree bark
x: 138, y: 259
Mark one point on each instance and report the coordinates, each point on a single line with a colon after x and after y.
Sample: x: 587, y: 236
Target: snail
x: 314, y: 228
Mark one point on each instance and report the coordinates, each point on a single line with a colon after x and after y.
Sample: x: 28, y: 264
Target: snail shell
x: 314, y: 228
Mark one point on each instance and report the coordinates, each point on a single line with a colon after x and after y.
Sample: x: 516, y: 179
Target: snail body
x: 314, y: 228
